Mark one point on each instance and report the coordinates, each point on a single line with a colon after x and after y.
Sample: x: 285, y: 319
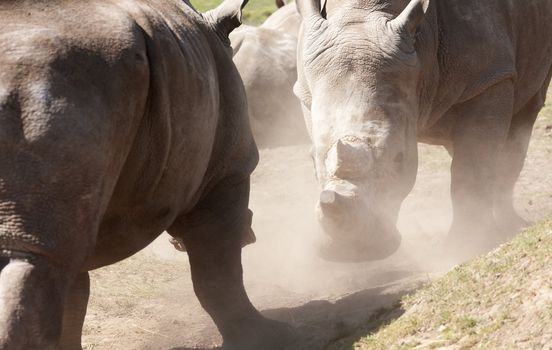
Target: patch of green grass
x: 255, y: 12
x: 489, y: 302
x: 467, y: 323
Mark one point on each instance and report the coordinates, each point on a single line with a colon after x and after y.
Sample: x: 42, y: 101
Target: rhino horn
x: 227, y: 16
x: 411, y: 17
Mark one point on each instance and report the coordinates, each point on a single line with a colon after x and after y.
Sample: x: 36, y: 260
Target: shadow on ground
x: 320, y: 324
x: 333, y: 324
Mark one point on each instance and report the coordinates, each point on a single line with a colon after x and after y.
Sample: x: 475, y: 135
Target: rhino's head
x: 358, y: 82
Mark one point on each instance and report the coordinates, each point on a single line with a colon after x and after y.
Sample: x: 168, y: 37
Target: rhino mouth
x: 352, y: 233
x: 359, y: 250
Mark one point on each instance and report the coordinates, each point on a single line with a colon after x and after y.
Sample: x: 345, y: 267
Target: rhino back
x: 480, y: 44
x: 285, y: 19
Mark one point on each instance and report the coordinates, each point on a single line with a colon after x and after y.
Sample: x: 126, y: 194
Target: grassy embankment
x: 255, y: 12
x: 499, y: 301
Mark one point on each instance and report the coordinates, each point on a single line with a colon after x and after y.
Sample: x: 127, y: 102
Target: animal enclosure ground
x: 147, y: 301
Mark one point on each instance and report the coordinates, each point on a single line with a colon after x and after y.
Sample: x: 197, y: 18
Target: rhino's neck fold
x: 427, y: 47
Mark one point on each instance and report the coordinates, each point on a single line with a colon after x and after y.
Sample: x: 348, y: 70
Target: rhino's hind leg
x: 74, y: 312
x: 215, y: 262
x: 512, y: 160
x: 510, y: 165
x: 479, y: 133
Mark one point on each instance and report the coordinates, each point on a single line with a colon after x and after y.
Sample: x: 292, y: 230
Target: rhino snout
x: 353, y: 231
x: 334, y: 204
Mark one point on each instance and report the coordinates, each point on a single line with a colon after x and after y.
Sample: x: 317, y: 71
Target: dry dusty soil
x: 147, y: 301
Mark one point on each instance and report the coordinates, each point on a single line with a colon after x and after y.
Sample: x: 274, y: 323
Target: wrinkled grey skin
x: 266, y: 59
x: 119, y: 120
x: 377, y: 76
x: 285, y: 19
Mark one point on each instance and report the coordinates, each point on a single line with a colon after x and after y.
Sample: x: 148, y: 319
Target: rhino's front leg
x: 31, y: 302
x: 480, y: 130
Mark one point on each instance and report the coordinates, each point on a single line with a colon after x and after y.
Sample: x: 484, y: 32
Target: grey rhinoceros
x: 119, y: 120
x: 377, y: 76
x: 266, y: 60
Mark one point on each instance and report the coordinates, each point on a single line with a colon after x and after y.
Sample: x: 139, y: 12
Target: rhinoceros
x: 119, y: 120
x: 377, y: 76
x: 266, y: 60
x: 285, y: 19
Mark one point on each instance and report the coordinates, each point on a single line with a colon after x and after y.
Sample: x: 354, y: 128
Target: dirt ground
x: 147, y: 301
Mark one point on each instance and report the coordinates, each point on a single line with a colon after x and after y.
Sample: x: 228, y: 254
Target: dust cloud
x: 284, y: 193
x: 286, y: 279
x: 283, y: 274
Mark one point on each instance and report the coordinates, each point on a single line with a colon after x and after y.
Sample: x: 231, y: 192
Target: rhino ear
x: 309, y: 8
x: 412, y: 16
x: 227, y: 16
